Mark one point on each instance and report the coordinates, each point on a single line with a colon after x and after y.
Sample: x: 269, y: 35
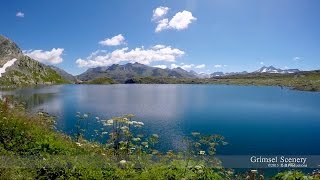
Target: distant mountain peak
x: 121, y: 73
x: 272, y: 69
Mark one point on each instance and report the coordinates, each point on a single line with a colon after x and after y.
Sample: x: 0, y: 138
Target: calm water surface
x: 254, y: 120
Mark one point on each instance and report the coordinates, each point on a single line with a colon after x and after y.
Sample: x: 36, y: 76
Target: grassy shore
x: 304, y: 81
x: 31, y: 148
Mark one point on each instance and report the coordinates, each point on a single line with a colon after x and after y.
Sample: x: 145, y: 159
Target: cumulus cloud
x: 297, y: 58
x: 50, y: 57
x: 162, y: 24
x: 160, y: 12
x: 200, y: 66
x: 172, y: 66
x: 160, y: 66
x: 219, y: 66
x: 187, y: 66
x: 140, y: 55
x: 180, y: 21
x: 20, y: 14
x: 114, y: 41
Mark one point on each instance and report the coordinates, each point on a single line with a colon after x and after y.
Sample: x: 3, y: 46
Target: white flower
x: 140, y: 123
x: 124, y: 128
x: 77, y: 143
x: 136, y: 139
x: 85, y: 115
x: 110, y: 121
x: 122, y: 162
x: 104, y: 132
x: 97, y: 118
x: 202, y: 153
x: 198, y: 167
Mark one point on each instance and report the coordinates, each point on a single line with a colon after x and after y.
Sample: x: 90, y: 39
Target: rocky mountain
x: 121, y: 73
x: 272, y: 69
x: 19, y: 70
x: 8, y: 50
x: 64, y: 74
x: 217, y: 74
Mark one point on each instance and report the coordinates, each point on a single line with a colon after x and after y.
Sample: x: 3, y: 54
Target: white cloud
x: 187, y: 66
x: 160, y: 66
x: 262, y: 63
x: 219, y: 66
x: 20, y: 14
x: 140, y: 55
x: 51, y: 57
x: 297, y: 58
x: 158, y: 46
x: 114, y: 41
x: 160, y: 12
x: 180, y: 21
x: 200, y: 66
x: 162, y: 25
x: 172, y: 66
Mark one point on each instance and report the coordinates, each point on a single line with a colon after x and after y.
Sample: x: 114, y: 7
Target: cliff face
x: 8, y: 50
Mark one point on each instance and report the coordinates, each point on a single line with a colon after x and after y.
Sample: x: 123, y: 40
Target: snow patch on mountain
x: 6, y: 65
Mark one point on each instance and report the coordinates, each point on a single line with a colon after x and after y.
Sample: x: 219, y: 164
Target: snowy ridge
x: 6, y: 65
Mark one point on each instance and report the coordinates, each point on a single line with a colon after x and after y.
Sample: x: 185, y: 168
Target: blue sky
x: 200, y: 35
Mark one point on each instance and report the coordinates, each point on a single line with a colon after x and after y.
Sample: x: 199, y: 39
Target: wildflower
x: 79, y: 144
x: 198, y: 167
x: 104, y: 133
x: 202, y: 153
x: 85, y: 115
x: 123, y: 162
x: 97, y: 118
x: 140, y: 123
x: 254, y: 171
x: 103, y: 154
x: 145, y: 144
x: 124, y: 128
x: 136, y: 139
x: 155, y: 136
x: 195, y: 133
x: 155, y: 152
x: 110, y: 121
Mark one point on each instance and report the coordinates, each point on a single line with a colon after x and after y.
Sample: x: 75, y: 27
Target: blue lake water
x: 254, y: 120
